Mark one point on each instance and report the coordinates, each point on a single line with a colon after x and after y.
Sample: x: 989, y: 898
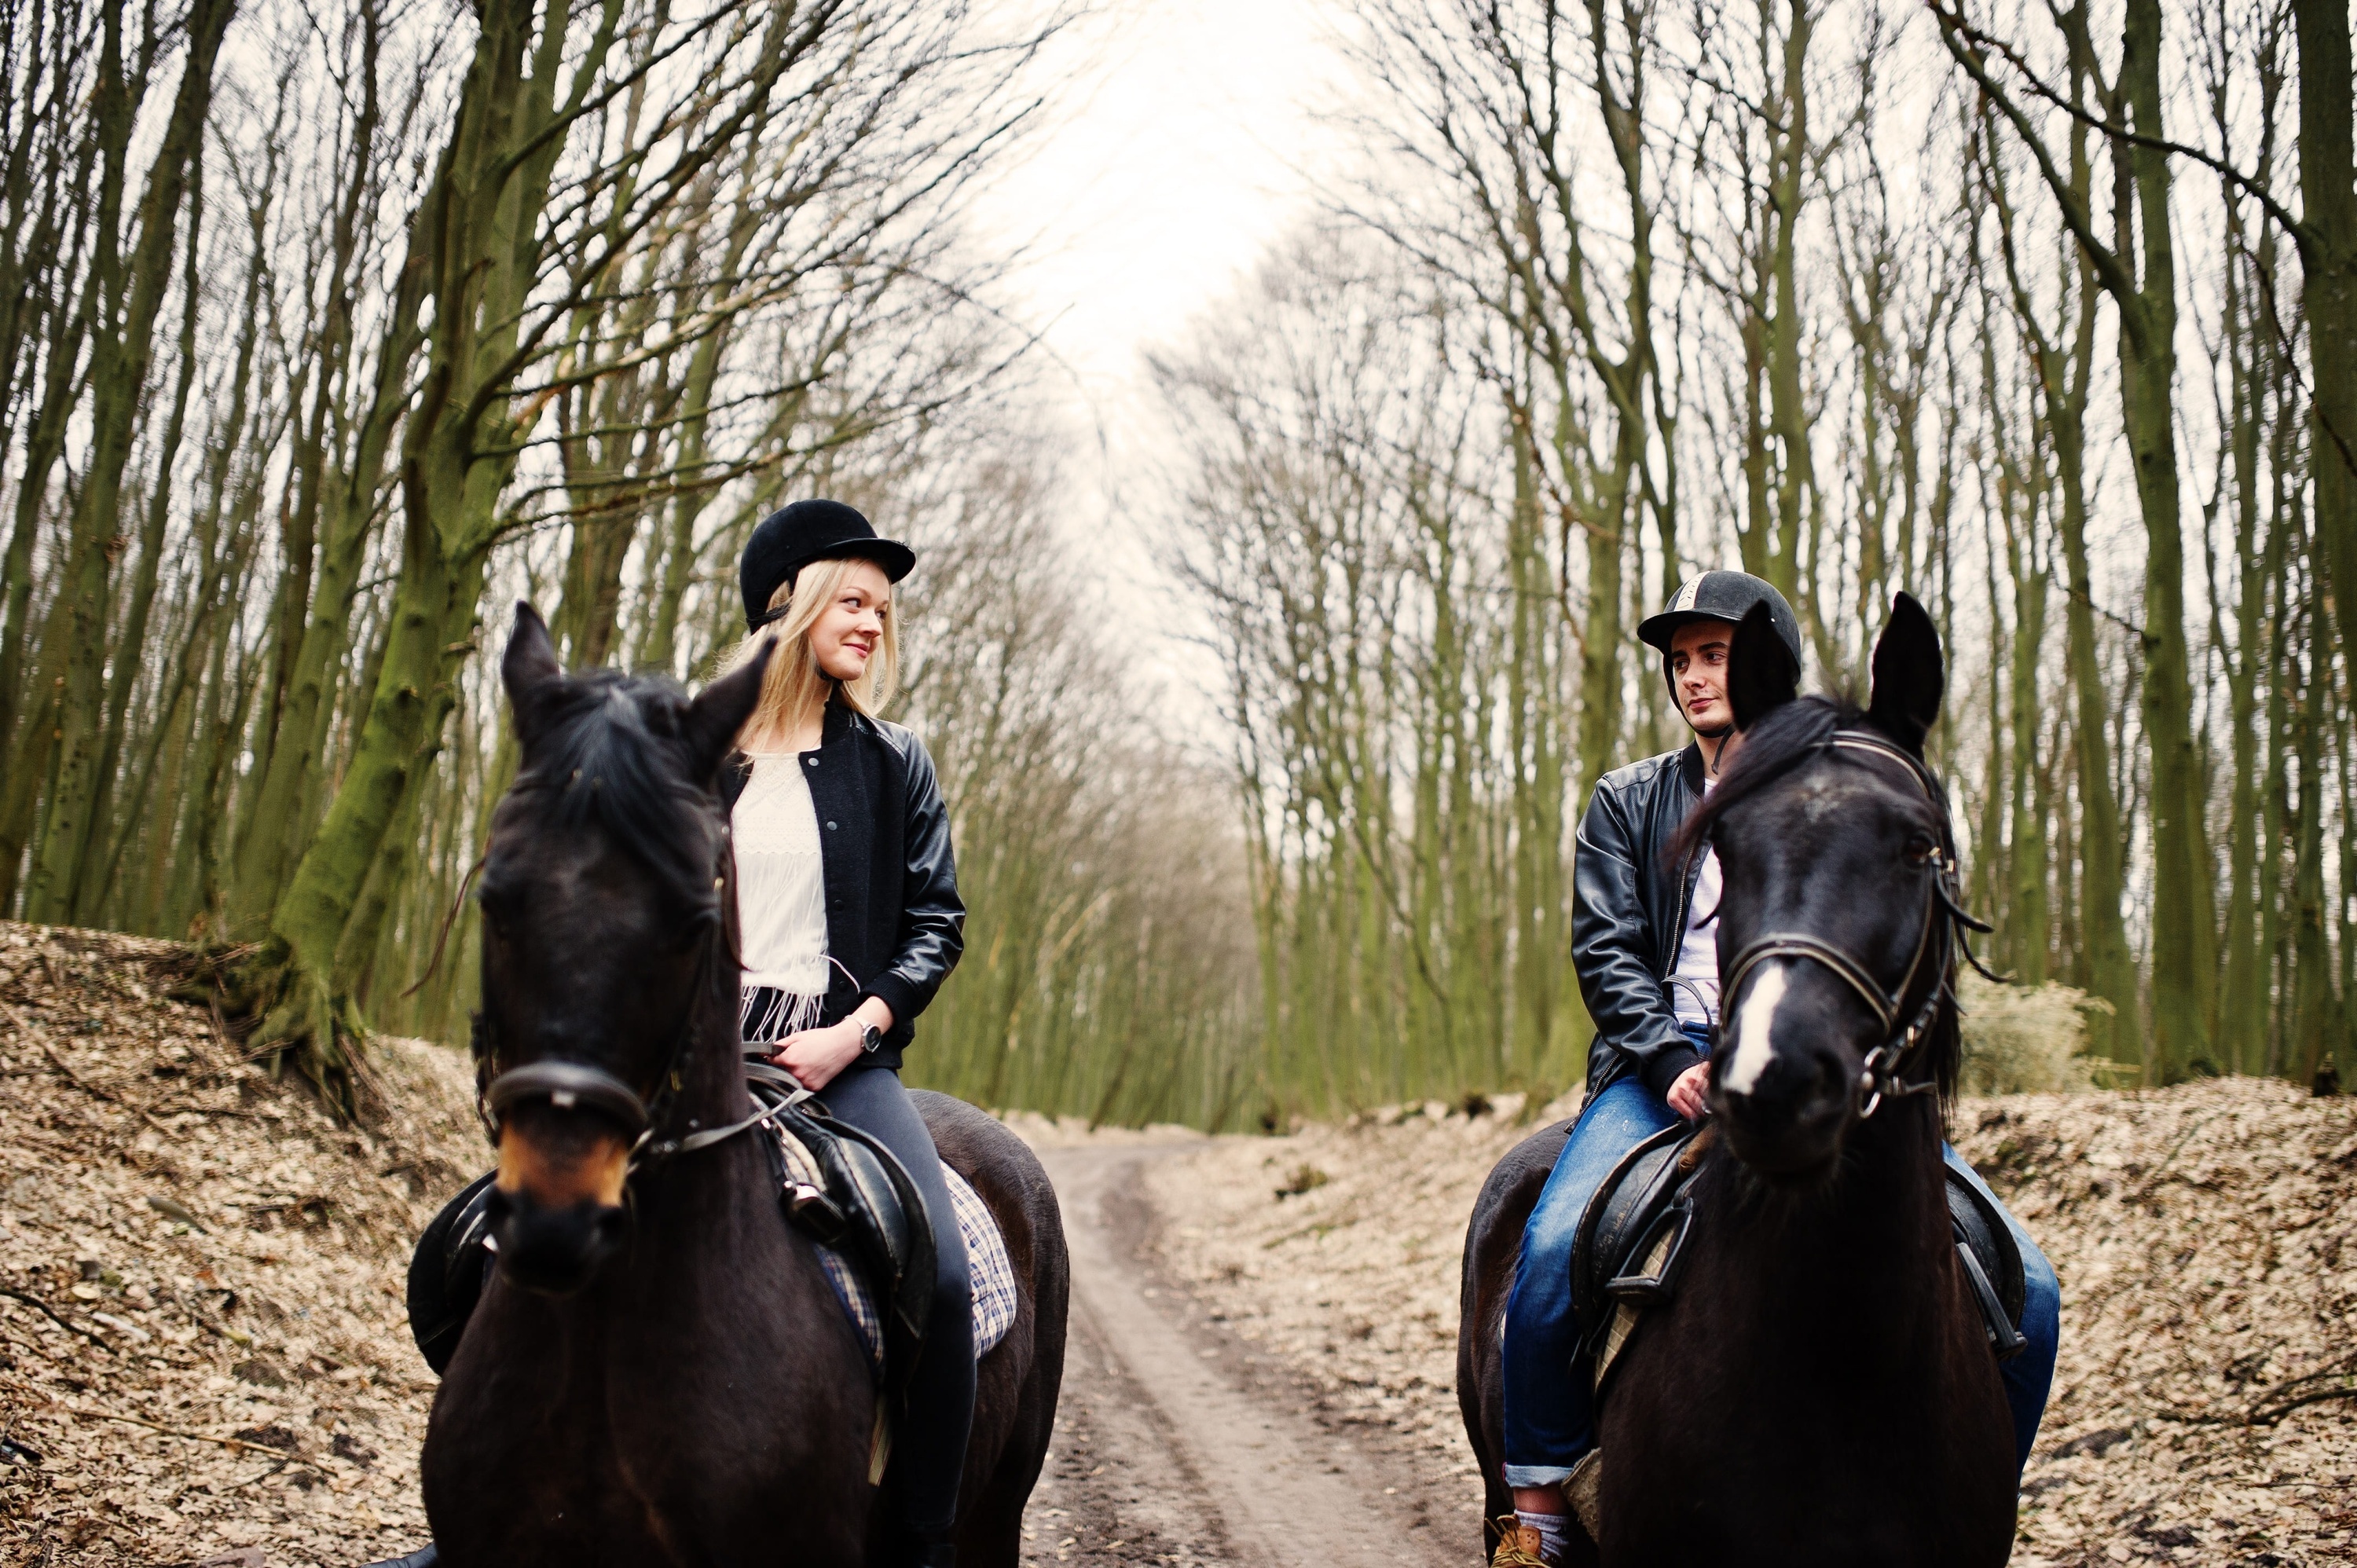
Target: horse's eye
x: 497, y: 905
x: 1921, y: 848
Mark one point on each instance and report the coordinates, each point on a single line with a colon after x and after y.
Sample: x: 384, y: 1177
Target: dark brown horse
x: 659, y: 1372
x: 1819, y: 1388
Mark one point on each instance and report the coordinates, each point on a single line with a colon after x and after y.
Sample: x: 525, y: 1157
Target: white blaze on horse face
x: 1753, y: 1028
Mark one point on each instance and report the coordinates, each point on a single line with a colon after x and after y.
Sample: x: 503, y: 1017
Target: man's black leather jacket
x: 1629, y: 919
x: 894, y: 919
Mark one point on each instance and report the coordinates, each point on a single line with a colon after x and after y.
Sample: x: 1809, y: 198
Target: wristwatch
x: 870, y: 1036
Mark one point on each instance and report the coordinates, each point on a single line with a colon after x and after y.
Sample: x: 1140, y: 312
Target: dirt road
x: 1179, y: 1443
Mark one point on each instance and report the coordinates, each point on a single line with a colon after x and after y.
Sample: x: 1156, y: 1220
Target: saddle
x: 846, y: 1191
x: 990, y: 1270
x: 1631, y: 1242
x: 1633, y: 1236
x: 1991, y: 1260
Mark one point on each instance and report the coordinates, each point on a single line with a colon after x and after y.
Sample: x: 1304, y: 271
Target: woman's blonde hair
x: 795, y: 686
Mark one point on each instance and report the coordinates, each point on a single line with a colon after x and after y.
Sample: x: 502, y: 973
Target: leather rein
x: 1884, y: 1076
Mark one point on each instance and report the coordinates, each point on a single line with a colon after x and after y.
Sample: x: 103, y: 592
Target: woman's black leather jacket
x: 893, y: 916
x: 1629, y: 919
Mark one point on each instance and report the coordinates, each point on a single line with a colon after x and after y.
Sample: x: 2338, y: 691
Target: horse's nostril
x: 555, y: 1250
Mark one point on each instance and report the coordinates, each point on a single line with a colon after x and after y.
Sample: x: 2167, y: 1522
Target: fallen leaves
x: 2207, y: 1248
x: 203, y: 1350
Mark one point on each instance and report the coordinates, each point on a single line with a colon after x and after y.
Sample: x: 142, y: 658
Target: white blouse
x: 1694, y: 994
x: 781, y: 879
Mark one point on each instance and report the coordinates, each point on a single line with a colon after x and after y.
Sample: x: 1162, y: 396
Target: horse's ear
x: 1910, y: 676
x: 720, y: 710
x: 528, y: 668
x: 1760, y: 673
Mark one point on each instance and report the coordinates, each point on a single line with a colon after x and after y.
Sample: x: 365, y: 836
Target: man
x: 1645, y: 940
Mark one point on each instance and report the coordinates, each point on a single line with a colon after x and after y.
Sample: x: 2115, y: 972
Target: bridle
x: 1884, y: 1076
x: 643, y: 1114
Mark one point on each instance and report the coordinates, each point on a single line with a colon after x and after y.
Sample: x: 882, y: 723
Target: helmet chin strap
x: 1713, y: 745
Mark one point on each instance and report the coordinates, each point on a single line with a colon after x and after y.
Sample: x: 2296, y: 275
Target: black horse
x: 678, y: 1385
x: 1819, y: 1389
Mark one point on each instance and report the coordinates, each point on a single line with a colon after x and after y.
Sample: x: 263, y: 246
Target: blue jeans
x: 1550, y: 1402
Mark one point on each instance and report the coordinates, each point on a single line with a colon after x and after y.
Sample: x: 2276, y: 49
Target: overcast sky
x: 1181, y: 143
x: 1172, y: 155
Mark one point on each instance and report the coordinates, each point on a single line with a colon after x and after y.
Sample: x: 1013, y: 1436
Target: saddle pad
x: 988, y: 1268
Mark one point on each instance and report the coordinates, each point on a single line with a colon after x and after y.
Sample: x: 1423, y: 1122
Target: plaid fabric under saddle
x: 988, y: 1267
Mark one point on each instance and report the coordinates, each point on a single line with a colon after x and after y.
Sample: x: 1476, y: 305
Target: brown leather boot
x: 1518, y: 1545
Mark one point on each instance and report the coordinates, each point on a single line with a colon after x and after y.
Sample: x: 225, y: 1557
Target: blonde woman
x: 850, y: 921
x: 849, y: 918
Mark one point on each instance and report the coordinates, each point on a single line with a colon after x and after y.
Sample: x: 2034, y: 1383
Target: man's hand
x: 816, y: 1056
x: 1690, y: 1095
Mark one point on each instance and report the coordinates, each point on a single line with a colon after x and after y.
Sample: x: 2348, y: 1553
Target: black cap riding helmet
x: 794, y: 536
x: 1721, y: 596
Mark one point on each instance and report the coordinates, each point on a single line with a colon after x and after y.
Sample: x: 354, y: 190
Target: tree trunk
x: 2242, y: 999
x: 2184, y: 919
x: 2027, y: 911
x: 2312, y: 1005
x: 92, y: 879
x: 477, y: 239
x: 122, y: 350
x: 2329, y: 254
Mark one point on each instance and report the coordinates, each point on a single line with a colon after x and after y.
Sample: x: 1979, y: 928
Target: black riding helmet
x: 794, y: 536
x: 1721, y: 596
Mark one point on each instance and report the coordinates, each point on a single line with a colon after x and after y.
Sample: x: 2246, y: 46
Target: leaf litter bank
x: 204, y: 1345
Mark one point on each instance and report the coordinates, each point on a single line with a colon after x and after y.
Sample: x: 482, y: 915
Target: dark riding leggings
x: 929, y: 1447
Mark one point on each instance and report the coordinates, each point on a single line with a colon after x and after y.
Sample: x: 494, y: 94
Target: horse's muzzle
x: 556, y: 1210
x: 1789, y: 1128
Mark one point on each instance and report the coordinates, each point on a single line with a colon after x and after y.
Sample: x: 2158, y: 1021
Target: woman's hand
x: 816, y: 1056
x: 1690, y: 1095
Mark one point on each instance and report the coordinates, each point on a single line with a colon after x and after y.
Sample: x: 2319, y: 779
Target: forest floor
x: 204, y: 1352
x: 204, y: 1356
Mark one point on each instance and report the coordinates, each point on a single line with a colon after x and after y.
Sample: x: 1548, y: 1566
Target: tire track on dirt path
x: 1170, y: 1450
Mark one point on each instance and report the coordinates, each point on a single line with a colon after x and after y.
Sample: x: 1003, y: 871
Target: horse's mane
x: 609, y: 748
x: 1778, y: 742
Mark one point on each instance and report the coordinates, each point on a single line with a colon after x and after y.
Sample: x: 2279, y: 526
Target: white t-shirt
x: 1694, y: 985
x: 781, y: 879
